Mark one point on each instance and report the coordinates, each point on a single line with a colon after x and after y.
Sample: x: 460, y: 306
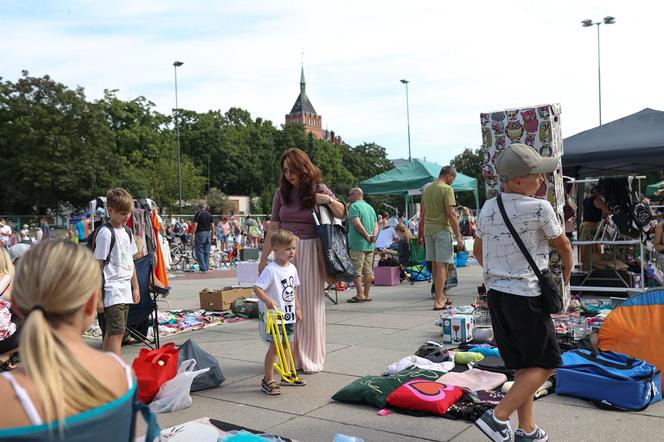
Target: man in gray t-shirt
x: 524, y: 333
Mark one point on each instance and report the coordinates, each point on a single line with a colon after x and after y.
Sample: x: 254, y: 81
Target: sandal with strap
x: 270, y: 388
x: 296, y: 383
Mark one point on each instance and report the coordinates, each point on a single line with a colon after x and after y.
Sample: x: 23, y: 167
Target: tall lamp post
x: 586, y: 24
x: 405, y: 82
x: 177, y: 64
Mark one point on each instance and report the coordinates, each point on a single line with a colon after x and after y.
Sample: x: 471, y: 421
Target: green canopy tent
x: 409, y: 179
x: 653, y: 188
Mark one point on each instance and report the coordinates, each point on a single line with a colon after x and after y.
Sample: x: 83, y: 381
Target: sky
x: 461, y: 59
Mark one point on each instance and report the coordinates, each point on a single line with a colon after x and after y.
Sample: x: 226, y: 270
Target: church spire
x: 302, y: 82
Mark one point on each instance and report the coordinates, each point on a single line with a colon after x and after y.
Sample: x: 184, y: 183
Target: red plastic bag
x: 153, y: 368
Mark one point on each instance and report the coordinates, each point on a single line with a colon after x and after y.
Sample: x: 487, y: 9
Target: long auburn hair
x: 307, y: 173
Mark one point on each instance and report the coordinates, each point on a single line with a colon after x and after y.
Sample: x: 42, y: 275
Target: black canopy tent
x: 631, y: 145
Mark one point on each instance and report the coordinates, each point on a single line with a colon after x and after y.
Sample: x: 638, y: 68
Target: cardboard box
x: 386, y: 275
x: 457, y: 329
x: 221, y: 299
x: 247, y: 273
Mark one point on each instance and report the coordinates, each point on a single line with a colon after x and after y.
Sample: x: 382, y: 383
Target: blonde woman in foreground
x: 56, y: 288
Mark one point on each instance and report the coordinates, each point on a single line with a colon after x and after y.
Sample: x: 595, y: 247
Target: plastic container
x: 580, y: 328
x: 343, y: 438
x: 461, y: 259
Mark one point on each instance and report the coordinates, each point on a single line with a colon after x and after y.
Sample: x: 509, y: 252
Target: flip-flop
x: 448, y: 302
x: 439, y: 308
x: 367, y: 300
x: 354, y: 300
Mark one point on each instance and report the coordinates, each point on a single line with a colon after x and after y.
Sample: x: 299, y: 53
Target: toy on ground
x: 276, y: 327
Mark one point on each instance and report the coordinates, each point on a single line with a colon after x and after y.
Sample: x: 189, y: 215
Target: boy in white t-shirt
x: 276, y: 287
x: 117, y: 263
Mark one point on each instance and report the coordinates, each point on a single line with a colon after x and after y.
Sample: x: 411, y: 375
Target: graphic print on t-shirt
x: 288, y: 292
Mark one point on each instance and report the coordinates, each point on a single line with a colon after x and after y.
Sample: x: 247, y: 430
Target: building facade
x: 303, y: 112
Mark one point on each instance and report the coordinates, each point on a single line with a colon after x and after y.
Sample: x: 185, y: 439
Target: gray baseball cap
x: 521, y: 160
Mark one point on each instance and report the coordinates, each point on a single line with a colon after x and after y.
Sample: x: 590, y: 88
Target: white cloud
x: 461, y: 59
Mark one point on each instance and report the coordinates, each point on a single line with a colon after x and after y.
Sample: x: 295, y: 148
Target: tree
x: 365, y: 160
x: 55, y: 147
x: 470, y: 162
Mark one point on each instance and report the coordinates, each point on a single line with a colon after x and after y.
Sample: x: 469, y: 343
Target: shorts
x: 439, y: 247
x: 524, y: 333
x: 290, y: 330
x: 115, y: 317
x: 362, y: 262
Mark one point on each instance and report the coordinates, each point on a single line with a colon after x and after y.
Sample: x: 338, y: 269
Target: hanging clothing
x: 160, y: 267
x: 591, y: 212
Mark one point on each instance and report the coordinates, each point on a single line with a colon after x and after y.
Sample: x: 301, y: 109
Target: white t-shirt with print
x: 120, y: 268
x: 505, y: 267
x: 279, y: 284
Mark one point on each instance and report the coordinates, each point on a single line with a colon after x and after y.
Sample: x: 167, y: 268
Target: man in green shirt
x: 438, y: 224
x: 362, y: 231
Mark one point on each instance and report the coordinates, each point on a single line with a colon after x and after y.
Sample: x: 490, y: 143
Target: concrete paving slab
x: 361, y: 361
x: 383, y: 320
x: 295, y: 400
x: 655, y: 410
x: 351, y: 334
x: 571, y: 423
x: 427, y: 427
x: 237, y: 371
x: 238, y: 414
x: 404, y: 341
x: 308, y: 429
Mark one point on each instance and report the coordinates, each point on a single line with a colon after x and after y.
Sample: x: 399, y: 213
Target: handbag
x: 551, y: 297
x: 153, y: 368
x: 334, y: 246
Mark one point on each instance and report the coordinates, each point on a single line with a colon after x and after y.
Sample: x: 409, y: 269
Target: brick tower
x: 303, y: 112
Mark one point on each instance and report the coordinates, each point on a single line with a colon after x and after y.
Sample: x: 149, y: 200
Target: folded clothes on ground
x: 463, y: 357
x: 541, y: 392
x: 416, y: 362
x: 484, y: 351
x: 474, y: 379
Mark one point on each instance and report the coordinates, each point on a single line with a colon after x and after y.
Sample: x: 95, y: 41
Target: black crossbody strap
x: 516, y: 237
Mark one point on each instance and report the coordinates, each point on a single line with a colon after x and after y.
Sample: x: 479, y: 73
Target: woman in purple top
x: 301, y: 191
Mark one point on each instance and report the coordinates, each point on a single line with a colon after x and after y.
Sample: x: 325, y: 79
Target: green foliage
x: 58, y: 151
x: 55, y: 147
x: 217, y: 202
x: 469, y: 162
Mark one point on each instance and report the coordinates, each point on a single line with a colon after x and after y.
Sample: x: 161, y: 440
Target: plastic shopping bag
x: 153, y: 368
x: 174, y: 394
x: 211, y: 379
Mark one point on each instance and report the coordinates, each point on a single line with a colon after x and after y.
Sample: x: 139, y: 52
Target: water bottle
x: 344, y: 438
x: 580, y: 329
x: 651, y: 276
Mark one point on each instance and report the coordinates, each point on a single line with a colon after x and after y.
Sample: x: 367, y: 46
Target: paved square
x: 364, y: 339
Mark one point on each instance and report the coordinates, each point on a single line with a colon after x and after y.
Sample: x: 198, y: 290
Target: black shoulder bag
x: 552, y: 300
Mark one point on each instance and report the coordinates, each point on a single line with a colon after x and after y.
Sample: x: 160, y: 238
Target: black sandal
x: 270, y: 388
x: 296, y: 383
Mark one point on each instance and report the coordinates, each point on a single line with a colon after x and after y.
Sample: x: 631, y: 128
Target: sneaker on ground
x: 495, y: 431
x: 538, y: 435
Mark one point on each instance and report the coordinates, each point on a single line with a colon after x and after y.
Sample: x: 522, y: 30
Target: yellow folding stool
x: 276, y: 327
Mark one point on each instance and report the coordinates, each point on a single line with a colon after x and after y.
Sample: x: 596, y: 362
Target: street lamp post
x: 405, y: 82
x: 586, y: 24
x: 177, y: 64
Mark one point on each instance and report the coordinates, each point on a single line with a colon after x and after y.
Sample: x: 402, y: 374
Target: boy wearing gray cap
x: 523, y: 331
